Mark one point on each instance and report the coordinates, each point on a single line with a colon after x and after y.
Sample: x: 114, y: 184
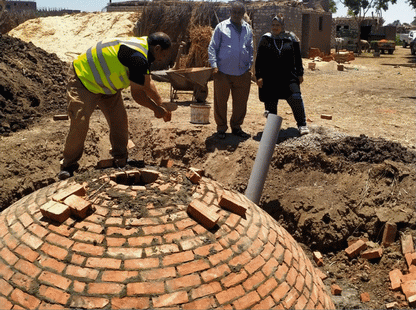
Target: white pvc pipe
x: 264, y: 155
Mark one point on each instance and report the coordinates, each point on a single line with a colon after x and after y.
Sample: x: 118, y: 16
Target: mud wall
x: 14, y: 6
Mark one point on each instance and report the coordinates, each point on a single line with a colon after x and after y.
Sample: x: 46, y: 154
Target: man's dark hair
x: 159, y: 38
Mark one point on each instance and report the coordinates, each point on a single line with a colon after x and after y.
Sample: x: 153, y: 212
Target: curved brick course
x: 116, y: 259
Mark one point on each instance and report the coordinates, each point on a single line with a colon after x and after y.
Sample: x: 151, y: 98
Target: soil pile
x: 32, y: 84
x: 70, y: 35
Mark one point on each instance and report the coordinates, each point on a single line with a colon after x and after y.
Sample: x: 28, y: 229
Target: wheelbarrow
x: 190, y: 80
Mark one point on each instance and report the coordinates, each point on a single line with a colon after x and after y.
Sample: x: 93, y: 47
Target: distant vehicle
x: 406, y: 38
x: 413, y: 47
x: 383, y: 45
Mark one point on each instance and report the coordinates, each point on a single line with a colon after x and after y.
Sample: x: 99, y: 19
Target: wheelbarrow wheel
x: 200, y: 93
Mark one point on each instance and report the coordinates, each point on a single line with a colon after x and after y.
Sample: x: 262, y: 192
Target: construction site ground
x: 345, y: 180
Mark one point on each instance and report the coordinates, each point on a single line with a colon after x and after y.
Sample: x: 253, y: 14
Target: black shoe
x: 240, y: 133
x: 63, y: 175
x: 221, y: 135
x: 67, y: 172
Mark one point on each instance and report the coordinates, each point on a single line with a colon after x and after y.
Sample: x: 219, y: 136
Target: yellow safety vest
x: 99, y: 68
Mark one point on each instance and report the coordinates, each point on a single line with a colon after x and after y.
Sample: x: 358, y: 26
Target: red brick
x: 412, y: 300
x: 372, y: 253
x: 171, y: 299
x: 52, y: 264
x: 267, y: 303
x: 206, y: 289
x: 234, y: 278
x: 5, y: 271
x: 6, y: 305
x: 200, y: 304
x: 103, y: 263
x: 55, y: 211
x: 118, y: 275
x: 247, y: 301
x: 54, y: 294
x: 178, y: 258
x: 148, y: 176
x: 355, y: 249
x: 26, y: 300
x: 27, y: 268
x: 202, y: 213
x: 27, y: 253
x: 227, y: 201
x: 81, y: 272
x: 88, y: 302
x: 54, y: 279
x: 105, y: 288
x: 408, y: 277
x: 255, y: 264
x: 326, y: 116
x: 407, y: 244
x: 5, y: 288
x: 409, y: 288
x: 230, y: 294
x: 159, y: 229
x: 60, y: 117
x: 54, y: 251
x: 161, y: 273
x: 192, y: 267
x: 410, y: 259
x: 208, y: 249
x: 254, y: 281
x: 336, y: 289
x: 192, y: 280
x: 215, y: 273
x: 86, y: 236
x: 75, y: 189
x: 79, y: 207
x: 144, y: 241
x: 193, y: 176
x: 145, y: 288
x: 280, y: 292
x: 392, y: 305
x: 88, y: 249
x: 166, y: 162
x: 144, y: 263
x: 290, y: 299
x: 318, y: 258
x: 321, y: 274
x: 389, y: 233
x: 22, y: 280
x: 130, y: 303
x: 38, y: 230
x: 105, y: 163
x: 179, y: 235
x: 365, y: 297
x: 267, y: 287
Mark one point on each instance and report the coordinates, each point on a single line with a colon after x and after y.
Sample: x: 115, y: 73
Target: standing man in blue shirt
x: 230, y: 53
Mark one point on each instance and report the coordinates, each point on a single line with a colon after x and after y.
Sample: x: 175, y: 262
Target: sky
x: 399, y: 11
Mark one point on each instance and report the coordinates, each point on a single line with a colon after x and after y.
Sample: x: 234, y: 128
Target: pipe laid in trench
x: 263, y: 158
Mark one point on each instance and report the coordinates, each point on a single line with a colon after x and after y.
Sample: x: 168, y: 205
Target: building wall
x: 20, y: 6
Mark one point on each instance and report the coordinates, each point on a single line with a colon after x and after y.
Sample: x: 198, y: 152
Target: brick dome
x: 155, y: 241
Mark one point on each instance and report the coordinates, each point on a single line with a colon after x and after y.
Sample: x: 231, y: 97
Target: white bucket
x: 200, y: 113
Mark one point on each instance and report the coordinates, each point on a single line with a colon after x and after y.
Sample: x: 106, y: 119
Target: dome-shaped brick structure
x: 148, y: 239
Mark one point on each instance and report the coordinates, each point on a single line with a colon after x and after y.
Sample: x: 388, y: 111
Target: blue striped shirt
x: 231, y: 51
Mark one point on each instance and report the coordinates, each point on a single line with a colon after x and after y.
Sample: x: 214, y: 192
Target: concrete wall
x: 13, y: 6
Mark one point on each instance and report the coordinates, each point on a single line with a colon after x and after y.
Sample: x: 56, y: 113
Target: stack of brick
x: 406, y: 282
x: 207, y: 213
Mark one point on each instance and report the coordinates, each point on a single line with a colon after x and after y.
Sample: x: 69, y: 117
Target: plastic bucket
x: 200, y: 114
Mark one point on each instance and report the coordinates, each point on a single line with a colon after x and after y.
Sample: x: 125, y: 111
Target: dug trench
x: 325, y: 188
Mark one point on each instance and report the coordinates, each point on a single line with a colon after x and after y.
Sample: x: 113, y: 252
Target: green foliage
x: 398, y: 41
x: 412, y: 3
x: 333, y: 6
x: 360, y: 7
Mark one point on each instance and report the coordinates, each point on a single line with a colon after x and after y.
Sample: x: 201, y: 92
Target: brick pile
x: 150, y: 239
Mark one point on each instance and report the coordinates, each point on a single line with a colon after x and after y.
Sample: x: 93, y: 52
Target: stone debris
x: 318, y: 258
x: 336, y: 289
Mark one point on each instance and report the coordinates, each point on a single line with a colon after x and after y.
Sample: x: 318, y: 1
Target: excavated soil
x: 343, y: 181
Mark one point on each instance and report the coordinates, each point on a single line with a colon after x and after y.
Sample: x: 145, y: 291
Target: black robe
x: 279, y: 64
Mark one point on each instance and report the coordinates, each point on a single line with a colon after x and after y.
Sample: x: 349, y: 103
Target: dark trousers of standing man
x: 239, y: 87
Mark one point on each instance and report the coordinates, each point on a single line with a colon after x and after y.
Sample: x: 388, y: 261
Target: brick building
x: 13, y: 6
x: 310, y: 20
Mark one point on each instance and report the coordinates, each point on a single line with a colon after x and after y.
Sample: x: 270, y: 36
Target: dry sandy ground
x: 324, y: 188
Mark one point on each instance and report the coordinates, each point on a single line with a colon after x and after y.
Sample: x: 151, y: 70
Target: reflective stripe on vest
x: 99, y: 68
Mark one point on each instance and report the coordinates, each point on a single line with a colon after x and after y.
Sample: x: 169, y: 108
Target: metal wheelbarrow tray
x: 190, y: 79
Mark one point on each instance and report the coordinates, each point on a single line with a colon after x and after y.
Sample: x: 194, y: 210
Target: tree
x: 333, y: 6
x: 412, y: 3
x: 359, y: 8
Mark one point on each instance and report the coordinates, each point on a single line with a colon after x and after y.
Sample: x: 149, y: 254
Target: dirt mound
x: 32, y: 84
x: 69, y: 35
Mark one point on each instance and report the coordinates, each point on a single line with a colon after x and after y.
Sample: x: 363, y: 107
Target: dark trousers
x: 295, y: 101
